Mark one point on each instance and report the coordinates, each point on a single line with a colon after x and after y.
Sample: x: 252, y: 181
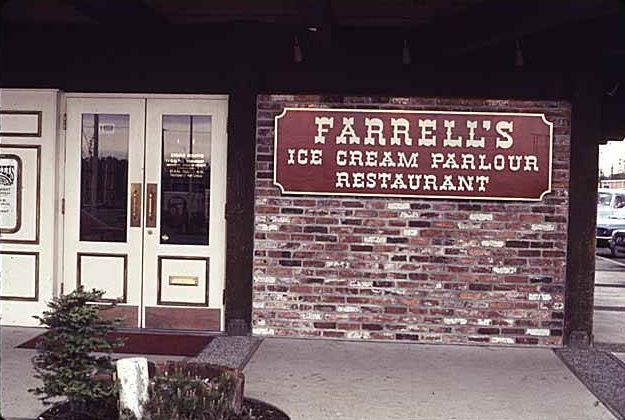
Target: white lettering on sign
x: 348, y: 132
x: 374, y: 126
x: 324, y: 124
x: 428, y: 138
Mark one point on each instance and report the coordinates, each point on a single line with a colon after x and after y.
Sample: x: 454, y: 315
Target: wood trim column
x: 240, y: 189
x: 581, y: 246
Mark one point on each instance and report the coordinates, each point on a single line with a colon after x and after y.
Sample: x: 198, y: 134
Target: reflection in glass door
x: 104, y: 177
x: 185, y: 179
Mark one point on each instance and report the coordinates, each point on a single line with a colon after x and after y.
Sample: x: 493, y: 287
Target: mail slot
x: 183, y: 280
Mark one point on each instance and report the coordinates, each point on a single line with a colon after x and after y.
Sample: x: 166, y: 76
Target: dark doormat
x: 150, y: 343
x: 602, y: 373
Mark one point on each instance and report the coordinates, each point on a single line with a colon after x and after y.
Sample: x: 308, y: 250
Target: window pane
x: 185, y: 179
x: 104, y: 177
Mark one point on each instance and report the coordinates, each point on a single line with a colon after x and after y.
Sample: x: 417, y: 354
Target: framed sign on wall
x: 20, y: 185
x: 10, y: 193
x: 413, y: 153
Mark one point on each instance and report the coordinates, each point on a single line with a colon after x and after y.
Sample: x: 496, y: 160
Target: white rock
x: 133, y: 378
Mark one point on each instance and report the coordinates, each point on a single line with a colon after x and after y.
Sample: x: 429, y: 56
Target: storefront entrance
x: 144, y: 207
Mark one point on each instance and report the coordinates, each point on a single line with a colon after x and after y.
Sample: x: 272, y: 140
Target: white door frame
x: 217, y: 106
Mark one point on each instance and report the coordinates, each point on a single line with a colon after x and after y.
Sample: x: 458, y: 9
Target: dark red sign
x: 465, y: 155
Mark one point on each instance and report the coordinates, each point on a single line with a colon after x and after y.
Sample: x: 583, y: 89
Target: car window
x: 618, y: 214
x: 604, y: 199
x: 619, y: 201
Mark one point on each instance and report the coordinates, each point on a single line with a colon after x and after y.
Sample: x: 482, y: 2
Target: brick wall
x: 427, y: 270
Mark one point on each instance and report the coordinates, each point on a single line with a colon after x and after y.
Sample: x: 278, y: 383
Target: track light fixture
x: 518, y: 55
x: 297, y: 51
x: 405, y: 55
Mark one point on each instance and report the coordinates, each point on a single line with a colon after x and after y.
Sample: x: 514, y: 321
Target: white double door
x: 144, y: 219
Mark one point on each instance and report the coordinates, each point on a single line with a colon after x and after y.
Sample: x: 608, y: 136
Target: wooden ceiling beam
x: 494, y: 22
x: 126, y: 12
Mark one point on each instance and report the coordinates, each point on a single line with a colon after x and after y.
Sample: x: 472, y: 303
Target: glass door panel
x: 104, y: 177
x: 185, y: 179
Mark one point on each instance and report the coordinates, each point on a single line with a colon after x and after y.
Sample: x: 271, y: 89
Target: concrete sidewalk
x: 329, y: 380
x: 319, y: 379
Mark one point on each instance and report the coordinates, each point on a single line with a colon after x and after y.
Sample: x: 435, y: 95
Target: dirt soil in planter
x: 259, y: 410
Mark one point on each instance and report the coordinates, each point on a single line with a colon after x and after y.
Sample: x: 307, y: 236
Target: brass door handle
x: 135, y: 205
x: 150, y: 208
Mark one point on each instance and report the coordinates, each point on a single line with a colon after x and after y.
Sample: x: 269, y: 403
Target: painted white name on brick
x: 398, y: 206
x: 374, y: 239
x: 263, y: 278
x: 263, y: 331
x: 480, y: 217
x: 311, y: 315
x: 493, y: 244
x: 357, y: 335
x: 455, y: 321
x: 502, y: 340
x: 504, y: 270
x: 263, y: 227
x: 279, y: 219
x: 468, y: 225
x: 539, y: 296
x: 542, y: 332
x: 544, y: 227
x: 351, y: 309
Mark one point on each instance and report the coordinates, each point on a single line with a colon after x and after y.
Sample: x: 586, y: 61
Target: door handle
x: 135, y: 205
x: 150, y: 208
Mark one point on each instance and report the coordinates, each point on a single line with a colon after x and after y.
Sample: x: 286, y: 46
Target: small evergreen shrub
x: 65, y: 360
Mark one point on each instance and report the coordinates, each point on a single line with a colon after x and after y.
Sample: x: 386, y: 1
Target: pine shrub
x: 66, y: 361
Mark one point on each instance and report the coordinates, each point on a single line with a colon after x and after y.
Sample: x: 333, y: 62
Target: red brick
x: 396, y: 287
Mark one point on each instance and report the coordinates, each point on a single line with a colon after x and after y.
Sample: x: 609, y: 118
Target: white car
x: 606, y: 226
x: 609, y: 200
